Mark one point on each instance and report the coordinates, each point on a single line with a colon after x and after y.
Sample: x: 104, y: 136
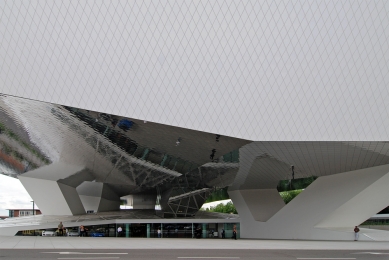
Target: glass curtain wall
x: 147, y: 230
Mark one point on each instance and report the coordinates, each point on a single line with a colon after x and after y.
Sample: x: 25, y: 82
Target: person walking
x: 60, y: 229
x: 120, y: 230
x: 159, y: 233
x: 199, y: 232
x: 356, y: 233
x: 223, y: 233
x: 234, y: 231
x: 82, y: 231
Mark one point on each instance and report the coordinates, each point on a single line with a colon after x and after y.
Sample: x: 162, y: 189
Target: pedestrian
x: 60, y: 229
x: 199, y: 232
x: 159, y: 233
x: 120, y: 230
x: 223, y: 233
x: 234, y: 231
x: 356, y: 233
x: 82, y: 231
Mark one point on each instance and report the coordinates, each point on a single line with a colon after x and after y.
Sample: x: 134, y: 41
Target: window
x: 24, y: 213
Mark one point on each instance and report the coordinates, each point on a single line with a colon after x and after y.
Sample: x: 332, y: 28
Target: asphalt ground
x: 194, y: 254
x: 97, y: 243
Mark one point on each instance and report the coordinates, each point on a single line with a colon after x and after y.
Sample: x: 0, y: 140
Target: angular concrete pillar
x: 261, y: 203
x: 98, y: 197
x: 53, y: 188
x: 327, y: 210
x: 142, y: 200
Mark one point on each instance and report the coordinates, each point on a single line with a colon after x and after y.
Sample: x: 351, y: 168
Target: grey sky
x: 13, y: 195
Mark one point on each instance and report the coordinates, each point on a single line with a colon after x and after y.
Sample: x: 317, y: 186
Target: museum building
x: 164, y: 103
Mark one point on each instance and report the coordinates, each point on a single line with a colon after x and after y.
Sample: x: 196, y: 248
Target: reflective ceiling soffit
x: 118, y: 150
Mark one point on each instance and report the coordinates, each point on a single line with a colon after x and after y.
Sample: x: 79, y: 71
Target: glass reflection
x: 130, y: 155
x: 146, y: 230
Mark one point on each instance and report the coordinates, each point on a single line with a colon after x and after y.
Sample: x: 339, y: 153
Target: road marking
x: 324, y: 258
x: 208, y: 257
x: 370, y: 253
x: 81, y: 253
x: 107, y: 257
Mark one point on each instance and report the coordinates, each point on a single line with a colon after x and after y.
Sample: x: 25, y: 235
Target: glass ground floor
x: 143, y: 230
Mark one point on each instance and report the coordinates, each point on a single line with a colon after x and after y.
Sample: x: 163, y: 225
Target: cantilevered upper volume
x: 66, y: 152
x: 73, y: 161
x: 165, y: 101
x: 256, y: 70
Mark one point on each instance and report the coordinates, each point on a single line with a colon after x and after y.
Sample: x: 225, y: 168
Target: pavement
x: 37, y: 242
x: 189, y: 254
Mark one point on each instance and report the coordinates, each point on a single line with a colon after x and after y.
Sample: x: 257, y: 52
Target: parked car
x: 72, y: 233
x: 97, y: 234
x: 49, y: 233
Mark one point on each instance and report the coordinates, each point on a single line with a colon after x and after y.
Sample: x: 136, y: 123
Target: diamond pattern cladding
x: 263, y: 164
x: 257, y: 70
x: 129, y: 155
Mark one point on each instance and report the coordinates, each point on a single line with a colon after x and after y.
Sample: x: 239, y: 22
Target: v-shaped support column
x: 327, y: 210
x: 53, y: 188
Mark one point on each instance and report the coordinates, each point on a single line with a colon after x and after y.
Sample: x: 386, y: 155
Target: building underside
x: 163, y: 102
x: 73, y: 161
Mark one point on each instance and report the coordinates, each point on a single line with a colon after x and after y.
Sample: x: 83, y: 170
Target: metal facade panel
x: 259, y: 70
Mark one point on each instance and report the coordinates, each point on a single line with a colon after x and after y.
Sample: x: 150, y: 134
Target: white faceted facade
x: 166, y: 101
x: 257, y: 70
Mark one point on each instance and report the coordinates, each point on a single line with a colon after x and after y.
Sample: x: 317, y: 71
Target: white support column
x: 262, y: 204
x: 98, y: 197
x: 109, y: 200
x: 327, y: 210
x: 53, y: 188
x: 142, y: 200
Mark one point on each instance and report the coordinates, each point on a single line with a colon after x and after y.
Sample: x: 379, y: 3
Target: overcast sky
x: 13, y: 195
